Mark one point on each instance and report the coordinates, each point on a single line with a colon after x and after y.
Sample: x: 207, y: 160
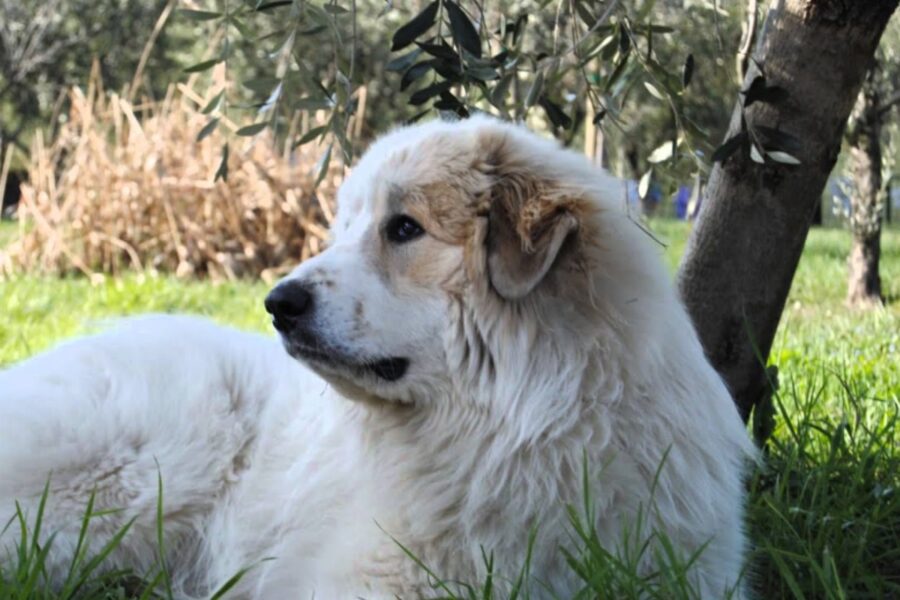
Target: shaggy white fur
x: 542, y: 339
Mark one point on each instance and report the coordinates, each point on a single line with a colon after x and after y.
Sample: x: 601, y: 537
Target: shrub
x: 121, y: 187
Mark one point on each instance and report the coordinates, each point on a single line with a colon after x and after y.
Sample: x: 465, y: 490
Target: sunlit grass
x: 39, y: 311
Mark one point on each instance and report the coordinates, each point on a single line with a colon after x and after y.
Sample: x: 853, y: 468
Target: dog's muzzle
x: 291, y: 304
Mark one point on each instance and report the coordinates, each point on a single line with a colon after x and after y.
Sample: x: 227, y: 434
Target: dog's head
x: 447, y: 235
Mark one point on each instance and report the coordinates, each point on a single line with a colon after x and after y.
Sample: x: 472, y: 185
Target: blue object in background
x: 631, y: 193
x: 681, y: 200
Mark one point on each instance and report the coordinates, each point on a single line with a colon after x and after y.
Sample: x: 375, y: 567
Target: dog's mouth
x: 386, y: 369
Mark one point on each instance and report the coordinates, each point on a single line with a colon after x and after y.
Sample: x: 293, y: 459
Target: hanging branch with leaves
x: 456, y: 57
x: 296, y: 19
x: 465, y: 58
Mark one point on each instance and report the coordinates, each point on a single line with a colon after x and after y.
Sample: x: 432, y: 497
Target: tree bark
x: 750, y: 232
x: 866, y: 206
x: 864, y: 285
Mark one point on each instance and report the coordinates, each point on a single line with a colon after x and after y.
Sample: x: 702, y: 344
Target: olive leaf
x: 403, y: 62
x: 760, y: 91
x: 654, y: 91
x: 311, y: 135
x: 422, y: 96
x: 203, y: 66
x: 555, y: 113
x: 415, y: 72
x: 687, y: 72
x: 222, y: 171
x: 729, y: 147
x: 644, y: 184
x: 252, y: 129
x: 663, y: 152
x: 464, y: 33
x: 419, y: 24
x: 534, y: 92
x: 782, y: 157
x: 208, y: 128
x: 199, y: 15
x: 755, y: 155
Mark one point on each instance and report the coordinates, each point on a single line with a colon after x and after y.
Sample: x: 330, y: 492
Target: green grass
x: 824, y: 510
x: 86, y: 578
x: 39, y: 311
x: 8, y: 231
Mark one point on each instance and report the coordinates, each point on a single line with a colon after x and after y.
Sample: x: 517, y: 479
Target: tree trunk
x: 864, y: 137
x: 750, y: 232
x: 864, y: 285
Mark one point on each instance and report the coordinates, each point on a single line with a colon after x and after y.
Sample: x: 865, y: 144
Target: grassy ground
x: 824, y: 511
x: 7, y: 232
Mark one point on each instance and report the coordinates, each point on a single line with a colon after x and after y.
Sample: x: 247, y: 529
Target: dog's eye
x: 402, y: 228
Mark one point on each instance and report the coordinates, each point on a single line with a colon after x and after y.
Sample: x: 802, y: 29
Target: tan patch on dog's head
x: 486, y: 187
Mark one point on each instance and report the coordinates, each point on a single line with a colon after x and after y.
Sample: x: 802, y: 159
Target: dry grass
x: 124, y: 187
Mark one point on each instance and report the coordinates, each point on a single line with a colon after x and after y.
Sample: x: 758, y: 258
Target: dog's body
x: 501, y: 328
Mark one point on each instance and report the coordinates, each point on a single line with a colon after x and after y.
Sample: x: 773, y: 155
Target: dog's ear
x: 528, y: 224
x: 518, y: 260
x: 529, y: 218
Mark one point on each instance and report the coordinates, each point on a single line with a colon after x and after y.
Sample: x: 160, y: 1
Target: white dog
x: 486, y: 326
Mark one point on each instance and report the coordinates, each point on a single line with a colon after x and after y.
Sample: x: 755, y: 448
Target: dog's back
x: 171, y: 397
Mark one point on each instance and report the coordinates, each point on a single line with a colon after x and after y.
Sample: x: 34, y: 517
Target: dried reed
x: 116, y: 191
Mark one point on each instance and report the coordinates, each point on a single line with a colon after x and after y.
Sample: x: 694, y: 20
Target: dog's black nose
x: 289, y: 301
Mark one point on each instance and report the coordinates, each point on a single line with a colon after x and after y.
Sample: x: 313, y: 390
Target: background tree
x: 47, y: 46
x: 870, y: 173
x: 30, y: 42
x: 809, y: 67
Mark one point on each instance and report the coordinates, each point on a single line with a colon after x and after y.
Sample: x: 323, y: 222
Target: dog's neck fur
x: 526, y: 466
x: 496, y: 448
